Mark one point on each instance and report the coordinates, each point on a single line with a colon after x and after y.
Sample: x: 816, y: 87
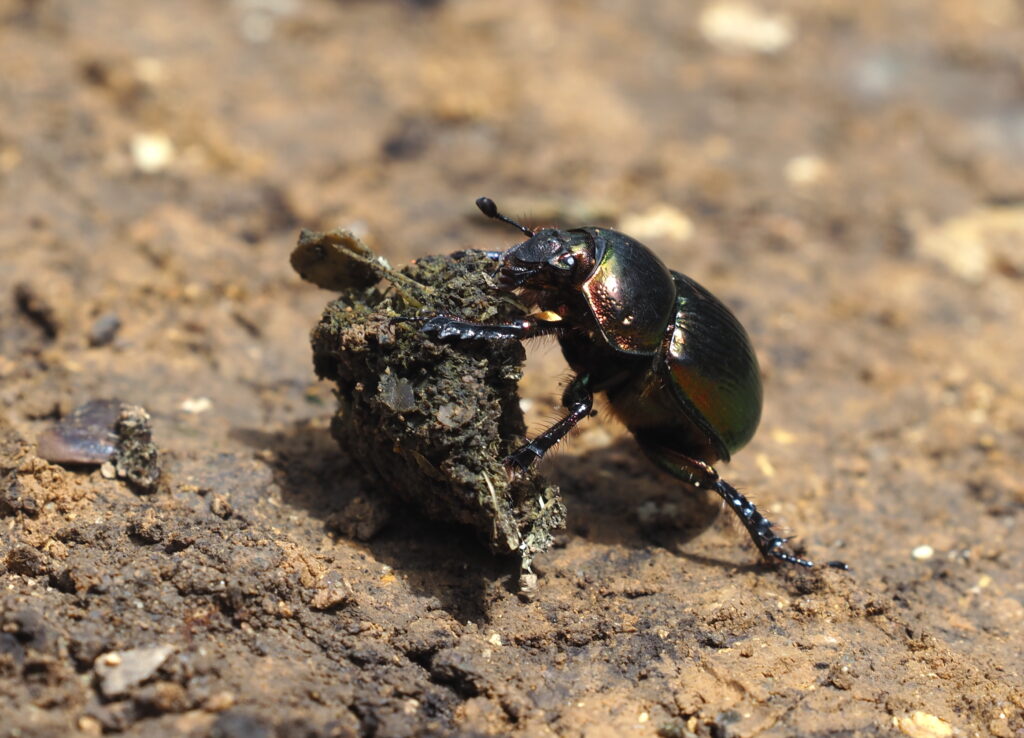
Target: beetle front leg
x: 463, y: 253
x: 579, y: 399
x: 444, y: 326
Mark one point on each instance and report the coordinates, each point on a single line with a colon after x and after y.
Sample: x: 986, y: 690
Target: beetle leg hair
x: 444, y: 326
x: 701, y: 474
x: 579, y: 399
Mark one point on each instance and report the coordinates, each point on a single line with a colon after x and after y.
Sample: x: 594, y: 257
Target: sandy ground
x: 848, y: 176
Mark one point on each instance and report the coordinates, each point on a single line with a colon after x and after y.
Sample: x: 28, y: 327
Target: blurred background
x: 847, y: 175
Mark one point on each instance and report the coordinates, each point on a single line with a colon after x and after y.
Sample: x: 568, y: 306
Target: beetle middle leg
x: 701, y: 474
x: 578, y: 398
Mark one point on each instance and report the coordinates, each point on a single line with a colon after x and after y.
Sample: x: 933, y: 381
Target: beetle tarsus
x: 758, y: 526
x: 520, y: 460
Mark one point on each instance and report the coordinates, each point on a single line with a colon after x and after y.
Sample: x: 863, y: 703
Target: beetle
x: 676, y: 365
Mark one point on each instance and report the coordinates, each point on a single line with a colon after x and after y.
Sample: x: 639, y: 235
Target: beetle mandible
x: 677, y: 367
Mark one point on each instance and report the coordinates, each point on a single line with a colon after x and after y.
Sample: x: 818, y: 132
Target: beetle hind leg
x: 701, y: 474
x: 758, y: 526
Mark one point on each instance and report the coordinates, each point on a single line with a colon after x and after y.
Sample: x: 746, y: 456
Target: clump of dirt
x: 431, y: 419
x: 108, y: 432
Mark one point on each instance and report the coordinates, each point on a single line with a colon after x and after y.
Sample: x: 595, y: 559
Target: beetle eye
x: 568, y: 261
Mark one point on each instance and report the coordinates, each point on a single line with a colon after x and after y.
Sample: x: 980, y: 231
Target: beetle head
x: 548, y: 259
x: 551, y: 259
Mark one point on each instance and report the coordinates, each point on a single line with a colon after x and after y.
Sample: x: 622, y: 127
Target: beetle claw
x: 791, y: 559
x: 519, y: 461
x: 440, y: 326
x: 775, y: 551
x: 436, y: 324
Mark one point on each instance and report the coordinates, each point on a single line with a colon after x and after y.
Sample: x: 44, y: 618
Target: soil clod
x: 432, y: 420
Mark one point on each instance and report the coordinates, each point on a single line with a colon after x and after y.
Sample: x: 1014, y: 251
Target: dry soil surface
x: 847, y: 175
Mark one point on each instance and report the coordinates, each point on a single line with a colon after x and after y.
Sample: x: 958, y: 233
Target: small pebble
x: 923, y: 553
x: 119, y: 671
x: 977, y: 244
x: 923, y: 725
x: 658, y: 221
x: 104, y: 329
x: 527, y: 585
x: 805, y: 170
x: 219, y: 702
x: 221, y: 506
x: 765, y: 465
x: 89, y: 725
x: 152, y: 152
x: 85, y: 436
x: 196, y: 405
x: 783, y: 437
x: 739, y: 26
x: 332, y: 592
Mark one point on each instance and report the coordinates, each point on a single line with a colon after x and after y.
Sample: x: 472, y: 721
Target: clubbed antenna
x: 488, y: 208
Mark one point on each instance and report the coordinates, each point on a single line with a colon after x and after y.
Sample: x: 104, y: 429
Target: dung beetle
x: 677, y: 367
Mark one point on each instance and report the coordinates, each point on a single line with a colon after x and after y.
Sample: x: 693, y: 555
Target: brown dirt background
x: 856, y: 193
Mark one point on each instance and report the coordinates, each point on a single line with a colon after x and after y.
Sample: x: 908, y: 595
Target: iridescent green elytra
x: 677, y: 367
x: 699, y: 391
